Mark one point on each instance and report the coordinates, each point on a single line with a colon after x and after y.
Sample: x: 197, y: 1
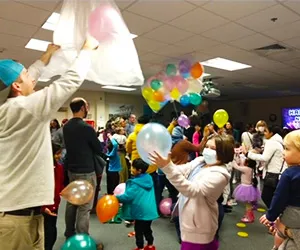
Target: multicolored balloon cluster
x: 181, y: 83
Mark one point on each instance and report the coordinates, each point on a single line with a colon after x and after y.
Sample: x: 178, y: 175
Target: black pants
x: 113, y: 180
x: 50, y: 231
x: 143, y: 228
x: 97, y: 190
x: 267, y: 195
x: 164, y: 182
x: 154, y: 176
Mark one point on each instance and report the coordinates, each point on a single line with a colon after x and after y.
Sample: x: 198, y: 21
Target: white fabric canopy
x: 116, y: 60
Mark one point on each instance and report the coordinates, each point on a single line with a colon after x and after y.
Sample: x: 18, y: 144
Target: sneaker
x: 232, y: 202
x: 150, y: 247
x: 131, y: 234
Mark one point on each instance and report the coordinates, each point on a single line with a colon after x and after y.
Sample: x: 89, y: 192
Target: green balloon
x: 156, y: 84
x: 80, y: 242
x: 171, y: 70
x: 195, y: 99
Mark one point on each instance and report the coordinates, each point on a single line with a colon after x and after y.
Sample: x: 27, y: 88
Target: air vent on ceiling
x: 275, y: 46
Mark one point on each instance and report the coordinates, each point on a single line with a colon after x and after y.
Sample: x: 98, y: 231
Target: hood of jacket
x: 144, y: 181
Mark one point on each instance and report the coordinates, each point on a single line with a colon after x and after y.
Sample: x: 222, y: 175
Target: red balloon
x: 107, y: 208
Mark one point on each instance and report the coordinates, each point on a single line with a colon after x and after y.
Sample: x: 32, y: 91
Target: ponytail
x: 252, y: 165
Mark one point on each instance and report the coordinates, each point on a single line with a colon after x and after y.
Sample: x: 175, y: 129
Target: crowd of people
x: 208, y: 170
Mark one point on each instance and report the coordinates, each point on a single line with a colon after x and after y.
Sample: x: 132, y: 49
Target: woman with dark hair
x: 54, y: 126
x: 273, y: 157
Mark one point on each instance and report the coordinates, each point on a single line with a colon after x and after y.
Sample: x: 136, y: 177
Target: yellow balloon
x: 147, y: 93
x: 175, y: 94
x: 155, y: 106
x: 221, y: 117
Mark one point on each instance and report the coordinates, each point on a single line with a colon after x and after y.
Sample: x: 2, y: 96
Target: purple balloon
x: 183, y: 121
x: 184, y: 67
x: 165, y: 206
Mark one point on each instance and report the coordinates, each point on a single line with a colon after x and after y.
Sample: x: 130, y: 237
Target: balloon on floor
x: 79, y: 242
x: 78, y: 192
x: 153, y: 137
x: 177, y: 82
x: 107, y: 208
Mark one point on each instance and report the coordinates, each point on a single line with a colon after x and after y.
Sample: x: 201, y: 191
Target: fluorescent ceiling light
x: 36, y: 44
x: 52, y: 21
x: 118, y: 88
x: 205, y: 74
x: 225, y: 64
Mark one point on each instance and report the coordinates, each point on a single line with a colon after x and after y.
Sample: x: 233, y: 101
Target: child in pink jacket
x: 200, y: 183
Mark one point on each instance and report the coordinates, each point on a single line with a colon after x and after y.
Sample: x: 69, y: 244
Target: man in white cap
x: 26, y: 163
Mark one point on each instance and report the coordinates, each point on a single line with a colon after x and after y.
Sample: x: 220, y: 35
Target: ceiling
x: 170, y: 30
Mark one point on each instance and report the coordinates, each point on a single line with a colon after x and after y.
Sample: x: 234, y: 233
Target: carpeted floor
x: 114, y: 236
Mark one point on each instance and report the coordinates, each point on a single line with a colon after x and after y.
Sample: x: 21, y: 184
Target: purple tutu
x: 246, y: 193
x: 214, y: 245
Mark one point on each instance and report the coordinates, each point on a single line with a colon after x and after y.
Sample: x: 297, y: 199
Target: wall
x: 257, y: 109
x: 99, y: 103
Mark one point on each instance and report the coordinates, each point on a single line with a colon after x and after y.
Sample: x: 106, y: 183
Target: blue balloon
x: 80, y: 242
x: 153, y: 137
x: 184, y: 100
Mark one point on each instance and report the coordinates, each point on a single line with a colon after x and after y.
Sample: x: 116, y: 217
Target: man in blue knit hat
x: 26, y: 163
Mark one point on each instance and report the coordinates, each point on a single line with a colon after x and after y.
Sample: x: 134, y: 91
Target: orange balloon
x: 197, y: 70
x: 158, y: 96
x: 107, y: 208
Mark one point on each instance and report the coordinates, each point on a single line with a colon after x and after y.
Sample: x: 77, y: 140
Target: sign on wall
x: 291, y: 118
x: 120, y: 110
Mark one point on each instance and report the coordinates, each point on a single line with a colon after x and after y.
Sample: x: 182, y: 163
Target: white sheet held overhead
x: 115, y: 62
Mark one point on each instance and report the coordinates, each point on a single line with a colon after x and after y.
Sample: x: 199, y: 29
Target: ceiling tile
x: 294, y: 62
x: 123, y: 4
x: 197, y: 42
x: 168, y: 34
x: 283, y: 56
x: 148, y: 45
x: 241, y: 8
x: 138, y: 24
x: 41, y: 4
x: 294, y: 42
x: 173, y: 51
x: 294, y: 5
x: 262, y: 20
x: 161, y: 11
x: 43, y: 34
x: 154, y: 58
x: 17, y: 29
x: 290, y: 72
x: 198, y: 21
x: 284, y: 32
x: 253, y: 41
x: 197, y: 2
x: 197, y: 56
x: 270, y: 65
x: 9, y: 41
x: 228, y: 32
x: 23, y: 13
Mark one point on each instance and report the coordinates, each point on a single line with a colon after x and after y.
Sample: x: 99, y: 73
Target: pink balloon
x: 120, y: 189
x: 183, y: 121
x: 169, y: 83
x: 105, y: 23
x: 181, y: 84
x: 165, y: 206
x: 161, y: 75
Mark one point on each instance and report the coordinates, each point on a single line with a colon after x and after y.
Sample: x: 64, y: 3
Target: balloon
x: 155, y: 106
x: 184, y: 67
x: 186, y: 75
x: 149, y: 80
x: 175, y: 94
x: 79, y: 242
x: 120, y: 189
x: 171, y: 70
x: 153, y: 137
x: 160, y: 75
x: 165, y: 206
x: 107, y: 208
x: 78, y: 192
x: 147, y: 93
x: 105, y: 22
x: 156, y: 84
x: 221, y: 117
x: 169, y: 83
x: 183, y: 121
x: 195, y: 86
x: 184, y: 100
x: 197, y: 70
x: 195, y: 99
x: 158, y: 96
x: 181, y: 84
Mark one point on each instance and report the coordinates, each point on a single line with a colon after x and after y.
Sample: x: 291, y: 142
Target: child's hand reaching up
x: 159, y: 160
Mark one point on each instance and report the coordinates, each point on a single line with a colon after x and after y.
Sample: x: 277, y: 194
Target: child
x: 247, y: 191
x: 286, y: 200
x: 139, y: 204
x: 114, y: 166
x: 50, y: 211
